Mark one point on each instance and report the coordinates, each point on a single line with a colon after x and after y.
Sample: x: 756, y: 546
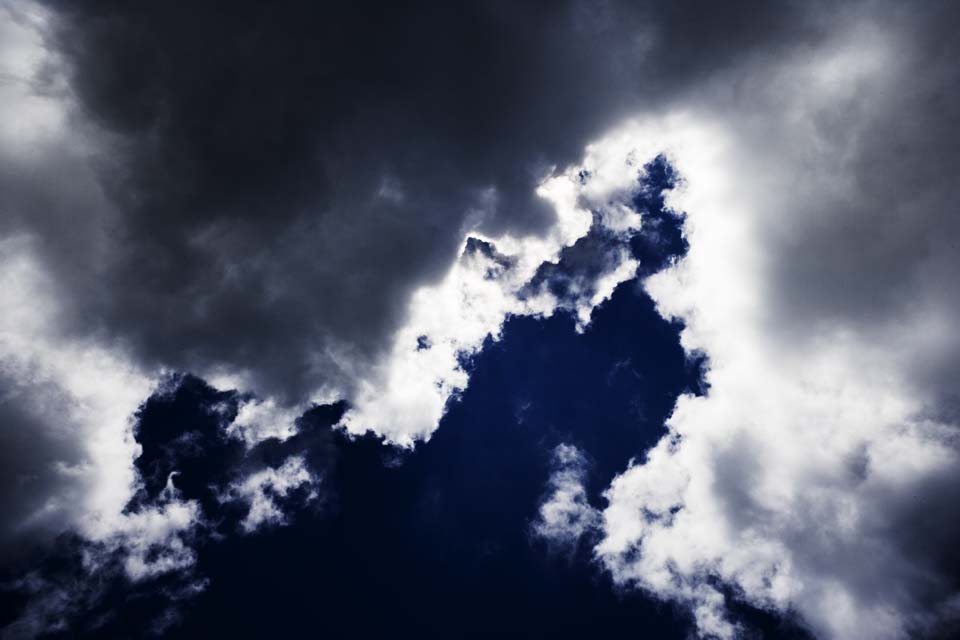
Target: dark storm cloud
x: 283, y: 175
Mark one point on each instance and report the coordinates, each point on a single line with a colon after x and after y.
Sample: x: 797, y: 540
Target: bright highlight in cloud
x: 794, y: 483
x: 405, y: 396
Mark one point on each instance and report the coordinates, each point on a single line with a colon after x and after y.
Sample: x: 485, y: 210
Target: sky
x: 480, y: 319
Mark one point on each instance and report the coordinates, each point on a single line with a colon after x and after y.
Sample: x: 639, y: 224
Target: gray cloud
x: 34, y: 466
x: 244, y: 155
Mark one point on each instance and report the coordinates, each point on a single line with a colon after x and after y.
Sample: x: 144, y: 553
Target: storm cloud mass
x: 244, y: 246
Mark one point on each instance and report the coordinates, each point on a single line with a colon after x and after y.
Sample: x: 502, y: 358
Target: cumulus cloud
x: 820, y: 473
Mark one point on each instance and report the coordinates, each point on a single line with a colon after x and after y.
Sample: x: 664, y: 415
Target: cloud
x: 196, y: 482
x: 566, y: 515
x: 148, y: 554
x: 309, y: 204
x: 262, y: 489
x: 154, y: 540
x: 819, y: 474
x: 67, y: 409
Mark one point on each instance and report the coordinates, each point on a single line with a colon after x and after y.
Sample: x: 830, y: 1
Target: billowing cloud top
x: 304, y: 204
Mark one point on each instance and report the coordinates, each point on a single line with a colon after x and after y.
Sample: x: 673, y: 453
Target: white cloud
x: 262, y: 488
x: 154, y: 540
x: 259, y: 420
x: 565, y: 515
x: 820, y: 474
